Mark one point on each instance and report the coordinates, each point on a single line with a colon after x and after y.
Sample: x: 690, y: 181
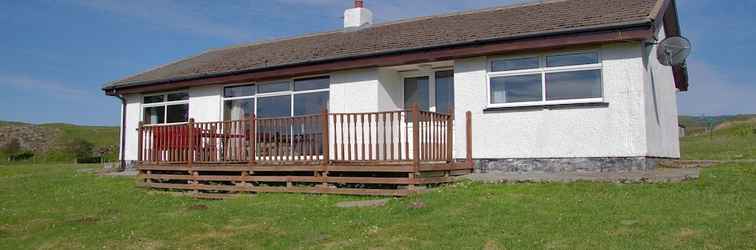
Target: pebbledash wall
x: 634, y: 127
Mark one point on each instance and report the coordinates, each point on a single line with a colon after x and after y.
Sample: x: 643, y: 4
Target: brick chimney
x: 357, y: 16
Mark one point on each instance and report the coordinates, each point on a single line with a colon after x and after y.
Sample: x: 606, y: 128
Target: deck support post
x: 468, y: 131
x: 415, y: 145
x: 326, y: 146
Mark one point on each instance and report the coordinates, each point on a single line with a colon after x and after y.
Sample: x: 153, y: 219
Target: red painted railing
x: 394, y: 136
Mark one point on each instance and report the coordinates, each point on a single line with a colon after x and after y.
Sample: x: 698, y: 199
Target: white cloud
x: 714, y: 93
x: 52, y: 88
x: 167, y: 13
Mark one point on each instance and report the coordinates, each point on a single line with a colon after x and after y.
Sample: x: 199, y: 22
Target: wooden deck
x: 384, y: 153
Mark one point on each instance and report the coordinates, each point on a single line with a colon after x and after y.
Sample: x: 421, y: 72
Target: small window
x: 154, y: 115
x: 310, y: 103
x: 154, y: 99
x: 177, y: 113
x: 515, y: 64
x: 312, y: 83
x: 274, y: 87
x: 238, y: 91
x: 178, y: 97
x: 238, y: 109
x: 571, y: 59
x: 512, y: 89
x: 573, y: 85
x: 274, y: 106
x: 166, y: 108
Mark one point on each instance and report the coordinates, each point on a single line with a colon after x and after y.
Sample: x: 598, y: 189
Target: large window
x: 431, y: 92
x: 547, y: 79
x: 276, y: 99
x: 165, y: 108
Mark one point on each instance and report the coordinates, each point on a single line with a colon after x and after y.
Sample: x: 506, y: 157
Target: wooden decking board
x: 239, y: 178
x: 310, y: 190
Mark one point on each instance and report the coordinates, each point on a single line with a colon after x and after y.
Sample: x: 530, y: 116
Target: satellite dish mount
x: 673, y: 51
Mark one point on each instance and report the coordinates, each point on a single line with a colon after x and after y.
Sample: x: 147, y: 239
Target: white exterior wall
x: 660, y: 98
x: 616, y: 130
x: 354, y: 91
x: 640, y: 119
x: 205, y: 103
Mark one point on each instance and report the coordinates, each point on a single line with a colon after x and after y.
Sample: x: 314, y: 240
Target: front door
x: 430, y: 91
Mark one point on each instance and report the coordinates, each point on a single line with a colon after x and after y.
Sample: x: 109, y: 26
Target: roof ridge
x: 403, y: 20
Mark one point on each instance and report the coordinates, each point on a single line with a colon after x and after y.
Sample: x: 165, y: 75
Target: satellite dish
x: 672, y: 51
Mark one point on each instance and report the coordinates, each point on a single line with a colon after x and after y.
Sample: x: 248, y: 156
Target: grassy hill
x: 731, y: 139
x: 50, y: 142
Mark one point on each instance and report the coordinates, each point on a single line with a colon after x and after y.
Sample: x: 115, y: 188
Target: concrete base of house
x: 558, y: 165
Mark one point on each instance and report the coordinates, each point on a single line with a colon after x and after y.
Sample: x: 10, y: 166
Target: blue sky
x: 55, y: 55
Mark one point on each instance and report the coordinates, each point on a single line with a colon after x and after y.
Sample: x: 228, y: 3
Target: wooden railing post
x: 190, y: 133
x: 450, y: 136
x: 468, y: 131
x: 140, y: 146
x: 415, y: 143
x: 326, y: 146
x: 252, y: 140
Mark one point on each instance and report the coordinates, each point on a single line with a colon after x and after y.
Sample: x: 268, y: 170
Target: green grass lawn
x: 57, y: 207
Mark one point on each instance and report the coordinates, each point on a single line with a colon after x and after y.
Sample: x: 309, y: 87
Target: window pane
x: 274, y: 106
x: 178, y: 113
x: 571, y: 59
x: 573, y: 85
x: 444, y: 91
x: 153, y: 99
x: 273, y: 87
x: 310, y: 103
x: 312, y: 83
x: 236, y: 91
x: 511, y: 89
x: 515, y: 64
x: 154, y: 115
x: 238, y: 109
x: 416, y: 92
x: 178, y: 97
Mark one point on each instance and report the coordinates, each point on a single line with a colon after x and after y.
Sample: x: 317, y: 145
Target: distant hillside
x: 699, y: 124
x: 53, y: 142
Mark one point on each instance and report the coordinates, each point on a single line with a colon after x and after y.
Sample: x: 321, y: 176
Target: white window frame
x: 543, y: 70
x: 431, y: 74
x: 165, y: 103
x: 291, y: 93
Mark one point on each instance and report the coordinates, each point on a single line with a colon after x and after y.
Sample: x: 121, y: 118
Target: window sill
x: 597, y: 104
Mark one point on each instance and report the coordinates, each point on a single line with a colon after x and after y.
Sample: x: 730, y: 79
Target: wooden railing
x: 395, y: 136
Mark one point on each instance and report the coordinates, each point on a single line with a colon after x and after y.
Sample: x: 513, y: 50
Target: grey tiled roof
x: 425, y: 32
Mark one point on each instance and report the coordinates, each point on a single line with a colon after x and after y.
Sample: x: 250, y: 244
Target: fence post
x: 140, y: 147
x: 252, y: 139
x: 326, y: 146
x: 190, y: 133
x: 468, y: 131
